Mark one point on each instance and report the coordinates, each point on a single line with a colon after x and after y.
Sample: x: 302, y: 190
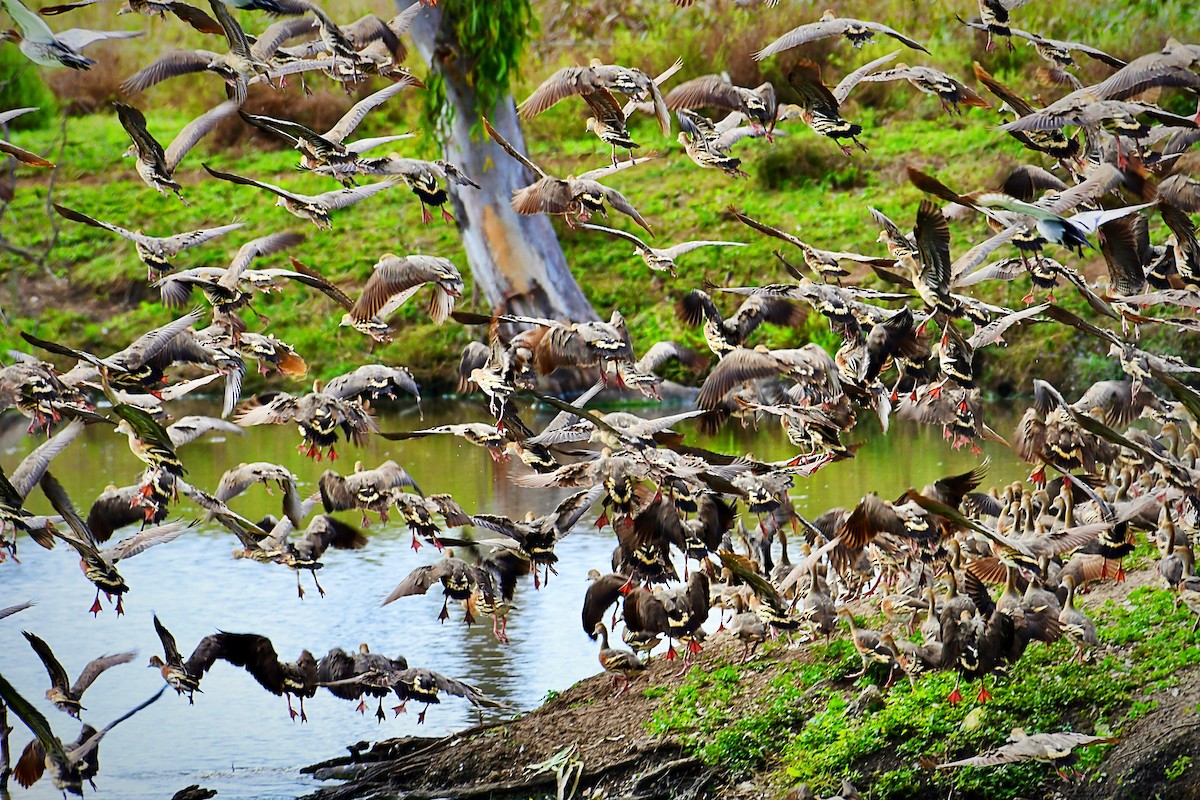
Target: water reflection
x: 237, y: 738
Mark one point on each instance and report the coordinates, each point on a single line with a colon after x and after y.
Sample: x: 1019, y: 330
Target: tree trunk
x: 515, y: 260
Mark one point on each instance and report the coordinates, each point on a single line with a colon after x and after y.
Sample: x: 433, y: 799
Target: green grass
x: 801, y: 184
x: 797, y: 730
x: 802, y: 172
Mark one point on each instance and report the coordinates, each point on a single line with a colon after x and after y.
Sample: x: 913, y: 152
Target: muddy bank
x: 604, y: 734
x: 606, y: 738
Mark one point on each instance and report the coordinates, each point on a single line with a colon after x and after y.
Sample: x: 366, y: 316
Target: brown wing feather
x: 97, y: 666
x: 707, y: 90
x: 256, y: 655
x: 559, y: 86
x: 805, y: 78
x: 560, y: 347
x: 335, y: 495
x: 418, y: 581
x: 933, y: 243
x: 645, y: 612
x: 622, y: 204
x: 58, y: 675
x: 869, y: 518
x: 325, y: 532
x: 170, y: 649
x: 390, y: 278
x: 767, y: 229
x: 31, y: 765
x: 600, y: 595
x: 548, y: 195
x: 196, y: 18
x: 179, y: 62
x: 736, y: 368
x: 605, y: 107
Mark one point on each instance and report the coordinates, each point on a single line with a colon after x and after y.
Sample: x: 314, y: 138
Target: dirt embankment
x: 606, y: 737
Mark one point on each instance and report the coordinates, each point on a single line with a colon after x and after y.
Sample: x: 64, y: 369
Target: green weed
x: 798, y: 728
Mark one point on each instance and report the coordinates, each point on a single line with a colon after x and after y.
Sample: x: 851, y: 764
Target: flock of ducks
x: 931, y: 557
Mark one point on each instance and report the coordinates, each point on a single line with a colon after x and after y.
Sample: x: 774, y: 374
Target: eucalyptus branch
x: 482, y: 39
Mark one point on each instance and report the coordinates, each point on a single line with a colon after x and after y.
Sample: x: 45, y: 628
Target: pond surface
x: 239, y: 739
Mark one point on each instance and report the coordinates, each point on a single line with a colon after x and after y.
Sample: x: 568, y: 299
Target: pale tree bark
x: 516, y: 260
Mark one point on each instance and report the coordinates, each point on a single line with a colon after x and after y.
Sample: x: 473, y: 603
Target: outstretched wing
x: 512, y: 151
x: 58, y: 676
x: 238, y: 179
x: 33, y: 720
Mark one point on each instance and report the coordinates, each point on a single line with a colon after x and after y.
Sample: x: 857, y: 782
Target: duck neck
x: 1070, y: 601
x: 1010, y: 580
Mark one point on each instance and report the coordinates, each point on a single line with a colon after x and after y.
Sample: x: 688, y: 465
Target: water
x: 239, y: 739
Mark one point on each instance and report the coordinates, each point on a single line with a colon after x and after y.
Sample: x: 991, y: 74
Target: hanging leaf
x: 486, y: 39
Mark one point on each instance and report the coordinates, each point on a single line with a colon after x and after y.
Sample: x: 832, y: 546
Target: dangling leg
x: 1038, y: 476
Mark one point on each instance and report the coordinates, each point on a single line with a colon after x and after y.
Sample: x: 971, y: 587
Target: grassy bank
x: 801, y: 183
x: 798, y: 727
x: 758, y: 729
